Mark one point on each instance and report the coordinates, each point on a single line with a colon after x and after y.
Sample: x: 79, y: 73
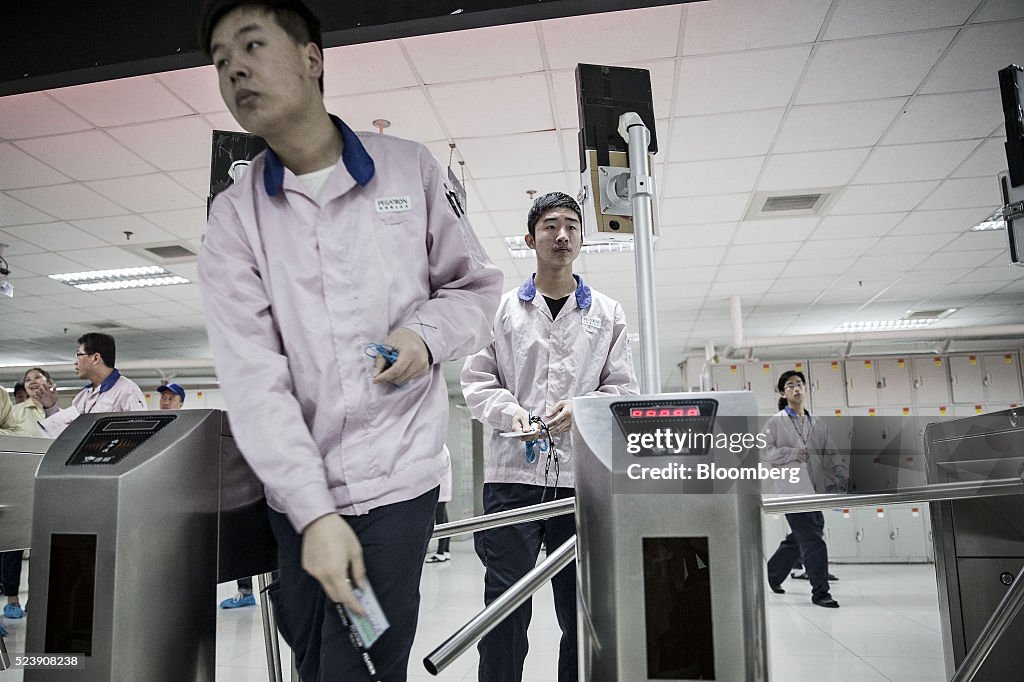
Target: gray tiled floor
x: 886, y: 629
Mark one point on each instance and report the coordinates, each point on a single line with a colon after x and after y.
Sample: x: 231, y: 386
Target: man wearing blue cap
x: 172, y: 397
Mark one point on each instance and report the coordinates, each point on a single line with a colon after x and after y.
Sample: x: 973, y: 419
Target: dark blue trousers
x: 807, y: 541
x: 394, y: 540
x: 10, y: 572
x: 508, y: 553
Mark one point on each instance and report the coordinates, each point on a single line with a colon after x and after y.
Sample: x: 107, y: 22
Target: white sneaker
x: 438, y: 557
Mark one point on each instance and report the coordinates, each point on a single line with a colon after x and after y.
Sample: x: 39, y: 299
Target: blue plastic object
x: 238, y: 601
x: 13, y: 611
x: 386, y: 352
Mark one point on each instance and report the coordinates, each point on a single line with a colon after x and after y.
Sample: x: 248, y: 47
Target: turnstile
x: 979, y: 543
x: 137, y: 517
x: 19, y: 459
x: 670, y: 570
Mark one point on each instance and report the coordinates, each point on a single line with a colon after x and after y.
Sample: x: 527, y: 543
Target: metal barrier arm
x: 485, y: 621
x: 544, y: 510
x: 996, y: 626
x: 935, y: 492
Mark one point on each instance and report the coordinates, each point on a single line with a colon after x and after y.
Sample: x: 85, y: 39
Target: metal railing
x: 485, y: 621
x: 544, y: 510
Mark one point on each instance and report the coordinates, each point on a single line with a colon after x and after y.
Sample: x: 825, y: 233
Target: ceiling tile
x: 726, y: 25
x: 808, y: 170
x: 909, y: 162
x: 986, y: 161
x: 992, y: 240
x: 963, y: 193
x: 187, y: 223
x: 196, y: 181
x: 15, y: 246
x: 18, y: 169
x: 833, y: 247
x: 481, y: 53
x: 871, y: 68
x: 367, y: 67
x: 932, y: 222
x: 952, y: 116
x: 112, y: 230
x: 845, y: 227
x: 55, y: 236
x: 844, y: 124
x: 197, y: 87
x: 45, y: 264
x: 509, y: 194
x: 511, y: 155
x: 91, y: 155
x: 702, y: 178
x: 514, y: 104
x: 696, y: 257
x: 697, y: 210
x: 748, y: 133
x: 192, y: 136
x: 947, y: 260
x: 760, y: 253
x: 68, y: 202
x: 915, y: 244
x: 38, y: 286
x: 408, y: 111
x: 875, y: 17
x: 739, y: 82
x: 599, y: 39
x: 738, y: 288
x: 774, y: 230
x: 126, y: 100
x: 14, y: 212
x: 827, y: 268
x: 889, y: 198
x: 107, y: 258
x: 748, y: 271
x: 977, y: 55
x: 689, y: 236
x: 223, y: 121
x: 34, y: 114
x: 998, y: 10
x: 154, y: 192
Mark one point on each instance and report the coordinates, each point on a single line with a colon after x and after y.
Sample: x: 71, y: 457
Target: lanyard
x: 802, y: 435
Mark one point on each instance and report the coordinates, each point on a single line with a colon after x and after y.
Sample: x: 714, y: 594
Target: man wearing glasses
x: 107, y: 390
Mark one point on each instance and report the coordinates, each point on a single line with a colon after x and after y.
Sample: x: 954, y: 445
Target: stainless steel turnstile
x: 19, y: 459
x: 137, y: 517
x: 670, y: 572
x: 979, y: 543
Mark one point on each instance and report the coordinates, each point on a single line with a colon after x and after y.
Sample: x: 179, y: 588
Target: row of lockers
x: 977, y: 380
x: 900, y: 533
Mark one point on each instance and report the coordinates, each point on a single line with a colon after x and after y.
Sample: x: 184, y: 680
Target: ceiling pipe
x: 127, y: 366
x: 948, y: 335
x: 736, y: 316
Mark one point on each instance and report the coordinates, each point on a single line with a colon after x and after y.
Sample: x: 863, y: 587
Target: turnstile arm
x: 1008, y: 608
x: 485, y: 621
x: 935, y: 492
x: 544, y: 510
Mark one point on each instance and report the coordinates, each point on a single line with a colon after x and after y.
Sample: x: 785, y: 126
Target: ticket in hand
x: 370, y: 627
x: 518, y: 434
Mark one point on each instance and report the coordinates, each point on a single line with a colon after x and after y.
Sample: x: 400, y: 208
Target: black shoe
x: 827, y: 602
x: 777, y: 589
x: 803, y: 576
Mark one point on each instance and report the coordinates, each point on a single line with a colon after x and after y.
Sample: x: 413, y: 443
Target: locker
x: 970, y: 410
x: 800, y: 366
x: 873, y: 532
x: 861, y: 383
x: 727, y: 377
x: 840, y: 534
x: 966, y: 379
x: 828, y: 383
x: 761, y: 382
x: 905, y: 454
x: 893, y: 381
x: 867, y: 472
x: 1001, y: 377
x: 909, y: 541
x: 930, y: 380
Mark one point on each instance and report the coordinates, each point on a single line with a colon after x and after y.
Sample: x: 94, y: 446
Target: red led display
x: 656, y: 412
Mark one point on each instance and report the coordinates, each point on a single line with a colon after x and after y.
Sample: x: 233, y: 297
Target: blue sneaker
x: 13, y: 611
x: 238, y: 601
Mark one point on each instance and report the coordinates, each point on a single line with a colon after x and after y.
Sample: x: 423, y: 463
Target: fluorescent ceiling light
x: 993, y: 222
x: 121, y: 278
x: 518, y: 249
x: 886, y: 325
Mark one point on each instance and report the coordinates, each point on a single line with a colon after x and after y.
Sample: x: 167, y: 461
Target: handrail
x: 996, y: 626
x: 935, y: 492
x: 543, y: 510
x: 495, y: 612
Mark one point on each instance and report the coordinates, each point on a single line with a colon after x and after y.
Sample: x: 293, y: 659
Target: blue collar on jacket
x: 528, y: 290
x: 792, y: 413
x: 108, y: 383
x: 353, y: 154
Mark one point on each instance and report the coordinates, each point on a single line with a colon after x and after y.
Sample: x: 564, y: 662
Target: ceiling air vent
x: 103, y: 325
x: 806, y: 203
x: 936, y: 314
x: 165, y: 253
x: 172, y: 251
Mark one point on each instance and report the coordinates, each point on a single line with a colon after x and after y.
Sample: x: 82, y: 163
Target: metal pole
x: 483, y: 622
x: 936, y: 492
x: 544, y: 510
x: 996, y: 626
x: 5, y: 660
x: 641, y: 193
x: 269, y: 631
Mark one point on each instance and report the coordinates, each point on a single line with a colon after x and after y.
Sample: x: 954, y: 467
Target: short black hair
x: 297, y: 20
x: 786, y: 376
x: 19, y: 386
x: 41, y: 371
x: 98, y: 342
x: 543, y: 204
